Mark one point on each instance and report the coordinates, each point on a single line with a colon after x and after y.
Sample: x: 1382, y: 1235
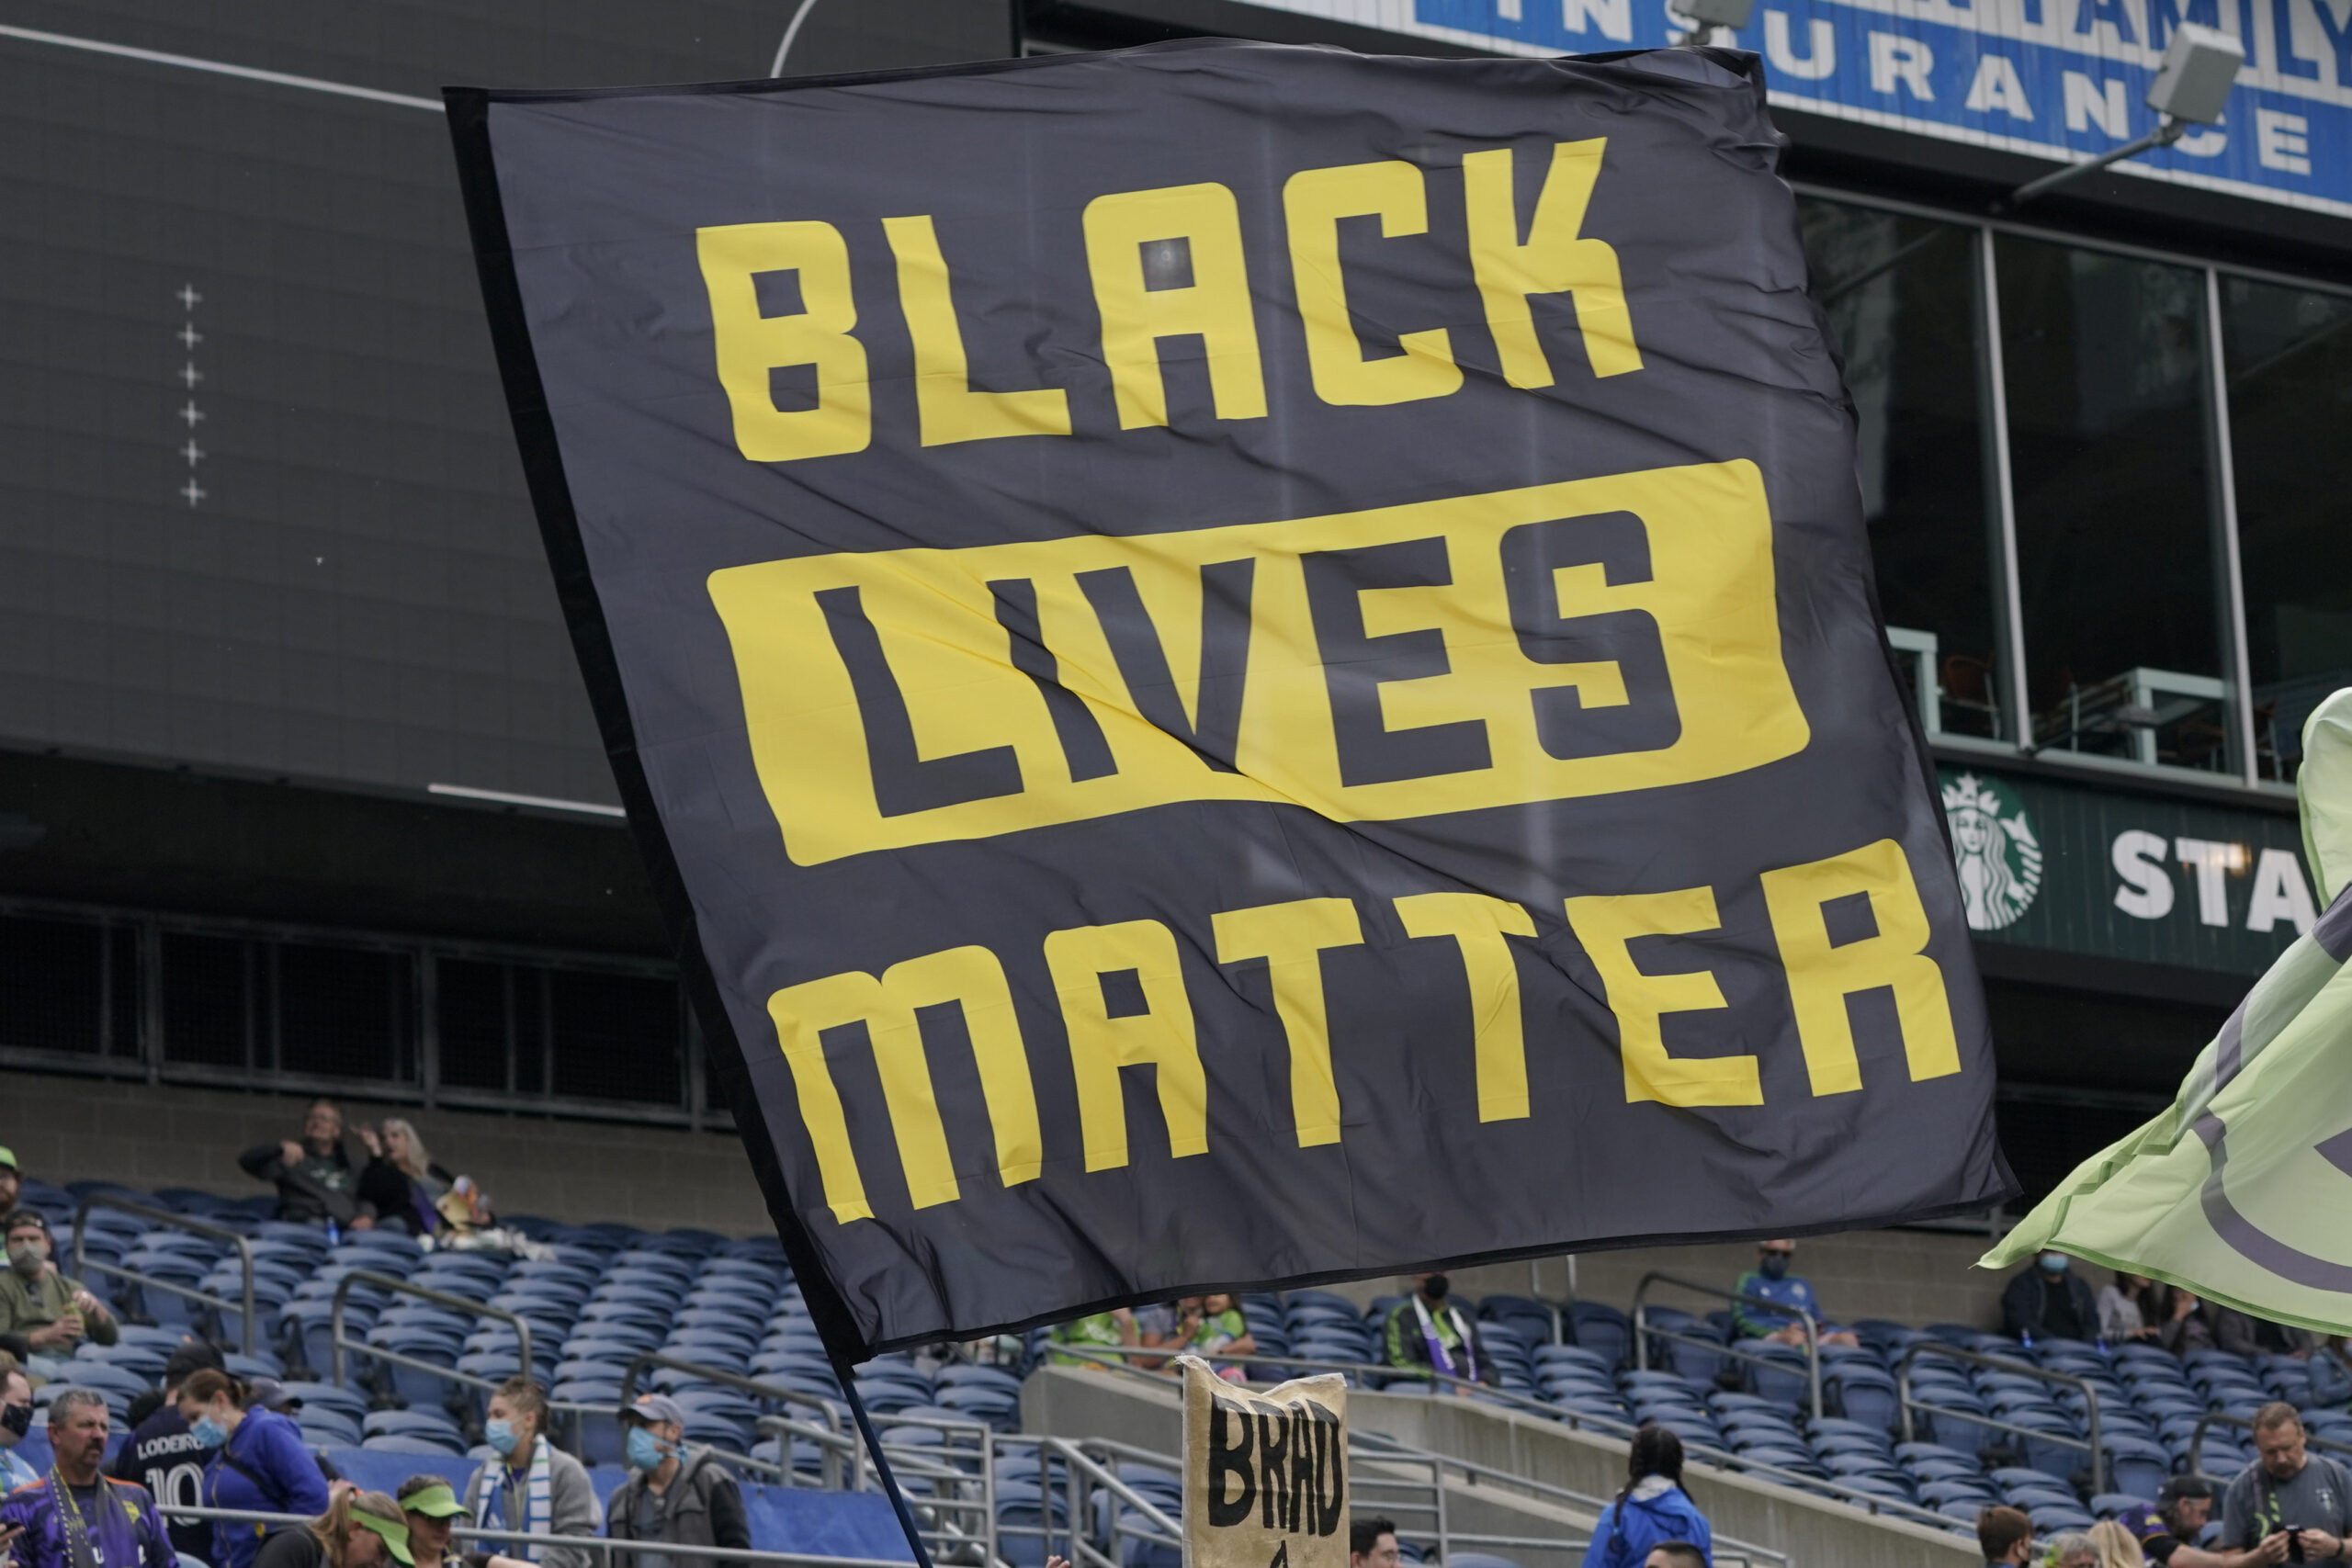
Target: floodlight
x: 2200, y: 65
x: 2192, y: 87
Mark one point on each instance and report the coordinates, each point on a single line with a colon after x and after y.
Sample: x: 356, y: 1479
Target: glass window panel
x: 344, y: 1012
x: 1901, y: 296
x: 617, y: 1037
x: 2289, y: 357
x: 210, y: 995
x: 2112, y: 463
x: 52, y: 985
x: 474, y: 1023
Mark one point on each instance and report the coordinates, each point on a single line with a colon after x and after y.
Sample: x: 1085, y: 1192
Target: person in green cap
x: 12, y: 1182
x: 360, y: 1529
x: 432, y: 1510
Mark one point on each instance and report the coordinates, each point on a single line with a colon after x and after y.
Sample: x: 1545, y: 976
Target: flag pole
x: 881, y: 1463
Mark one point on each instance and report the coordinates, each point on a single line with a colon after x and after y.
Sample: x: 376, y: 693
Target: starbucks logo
x: 1994, y: 846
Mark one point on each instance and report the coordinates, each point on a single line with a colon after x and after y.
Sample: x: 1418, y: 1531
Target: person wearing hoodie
x: 676, y: 1493
x: 260, y: 1463
x: 1651, y: 1508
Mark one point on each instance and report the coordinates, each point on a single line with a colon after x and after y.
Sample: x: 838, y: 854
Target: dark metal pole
x: 881, y: 1464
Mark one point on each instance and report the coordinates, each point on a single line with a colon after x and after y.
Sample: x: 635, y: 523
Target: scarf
x: 538, y: 1502
x: 1439, y: 1358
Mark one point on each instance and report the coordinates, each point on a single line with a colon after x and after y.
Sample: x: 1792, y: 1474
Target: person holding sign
x: 1426, y: 1330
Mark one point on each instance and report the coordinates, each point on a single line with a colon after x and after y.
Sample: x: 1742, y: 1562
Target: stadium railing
x: 605, y: 1548
x: 2089, y: 1441
x: 1728, y: 1550
x: 83, y: 1264
x: 1642, y: 1331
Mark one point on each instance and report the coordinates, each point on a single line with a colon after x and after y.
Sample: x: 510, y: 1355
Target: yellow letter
x: 1314, y: 200
x: 1553, y: 261
x: 1215, y: 303
x: 1605, y: 925
x: 948, y: 408
x: 751, y: 345
x: 969, y: 976
x: 1478, y: 924
x: 1291, y: 938
x: 1161, y: 1037
x: 1822, y: 976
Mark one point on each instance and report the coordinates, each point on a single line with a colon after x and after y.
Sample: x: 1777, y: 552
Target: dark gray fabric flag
x: 1239, y: 664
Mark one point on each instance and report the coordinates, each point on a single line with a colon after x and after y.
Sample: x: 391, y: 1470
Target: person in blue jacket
x: 1651, y: 1508
x: 259, y: 1464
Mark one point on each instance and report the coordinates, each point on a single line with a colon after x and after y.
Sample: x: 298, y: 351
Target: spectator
x: 536, y: 1488
x: 429, y: 1502
x: 12, y: 1182
x: 77, y: 1516
x: 50, y: 1310
x: 1213, y: 1326
x: 2288, y: 1503
x: 259, y: 1462
x: 2180, y: 1326
x: 2004, y: 1536
x: 1771, y: 1280
x: 1372, y: 1543
x: 164, y: 1457
x: 2168, y: 1531
x: 1651, y: 1508
x: 359, y: 1530
x: 2118, y: 1548
x: 1101, y: 1330
x: 399, y: 1181
x: 1675, y: 1554
x: 1424, y: 1330
x: 2072, y: 1549
x: 16, y: 1420
x: 2049, y: 1301
x: 2119, y: 1317
x: 676, y: 1493
x: 2242, y: 1334
x: 316, y: 1185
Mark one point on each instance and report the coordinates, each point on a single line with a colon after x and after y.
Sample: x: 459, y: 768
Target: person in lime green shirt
x: 1109, y: 1330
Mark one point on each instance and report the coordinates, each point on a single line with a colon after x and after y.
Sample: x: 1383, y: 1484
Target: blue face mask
x: 2053, y: 1263
x: 499, y: 1435
x: 209, y: 1432
x: 646, y: 1451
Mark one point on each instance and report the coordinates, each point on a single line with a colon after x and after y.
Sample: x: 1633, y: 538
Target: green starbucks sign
x: 2108, y: 873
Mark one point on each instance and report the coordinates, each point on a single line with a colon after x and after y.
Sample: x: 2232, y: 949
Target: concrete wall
x: 66, y: 1129
x: 1812, y: 1532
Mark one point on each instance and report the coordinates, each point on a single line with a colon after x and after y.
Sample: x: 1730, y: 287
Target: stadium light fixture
x: 1706, y: 16
x: 2192, y: 86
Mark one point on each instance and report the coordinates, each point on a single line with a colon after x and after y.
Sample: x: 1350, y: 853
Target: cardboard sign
x: 1265, y: 1472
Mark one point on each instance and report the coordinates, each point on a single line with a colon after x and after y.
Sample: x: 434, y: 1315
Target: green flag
x: 2242, y: 1190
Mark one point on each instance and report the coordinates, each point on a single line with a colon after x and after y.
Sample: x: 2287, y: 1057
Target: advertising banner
x: 1265, y: 1472
x: 2060, y: 79
x: 1240, y: 665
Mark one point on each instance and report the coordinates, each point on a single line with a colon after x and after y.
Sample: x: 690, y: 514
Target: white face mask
x: 27, y: 1259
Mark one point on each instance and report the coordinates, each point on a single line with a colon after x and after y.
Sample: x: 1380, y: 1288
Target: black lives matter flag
x: 1239, y: 664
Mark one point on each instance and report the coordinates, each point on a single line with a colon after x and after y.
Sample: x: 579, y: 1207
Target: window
x: 2287, y: 353
x: 1902, y: 295
x: 67, y: 986
x: 2114, y: 491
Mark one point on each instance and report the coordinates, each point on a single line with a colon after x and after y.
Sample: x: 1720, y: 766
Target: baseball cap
x: 269, y: 1393
x: 656, y: 1408
x: 8, y: 1158
x: 186, y: 1360
x: 24, y: 1217
x: 2176, y: 1487
x: 436, y: 1502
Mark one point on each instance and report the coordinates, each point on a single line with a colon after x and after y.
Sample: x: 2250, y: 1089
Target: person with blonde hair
x: 2116, y: 1547
x: 360, y: 1529
x: 399, y: 1181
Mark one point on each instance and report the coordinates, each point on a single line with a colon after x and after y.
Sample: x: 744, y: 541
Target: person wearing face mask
x: 16, y: 1420
x: 1426, y: 1329
x: 676, y: 1493
x: 2049, y: 1301
x: 535, y: 1488
x: 259, y: 1464
x: 1770, y: 1280
x: 51, y: 1312
x: 164, y: 1457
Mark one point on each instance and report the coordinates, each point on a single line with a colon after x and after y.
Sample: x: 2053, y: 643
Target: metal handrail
x: 2216, y: 1419
x: 1642, y: 1329
x: 1904, y: 1402
x: 423, y: 1292
x: 1575, y: 1420
x: 1077, y: 1462
x: 166, y: 1217
x: 605, y: 1547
